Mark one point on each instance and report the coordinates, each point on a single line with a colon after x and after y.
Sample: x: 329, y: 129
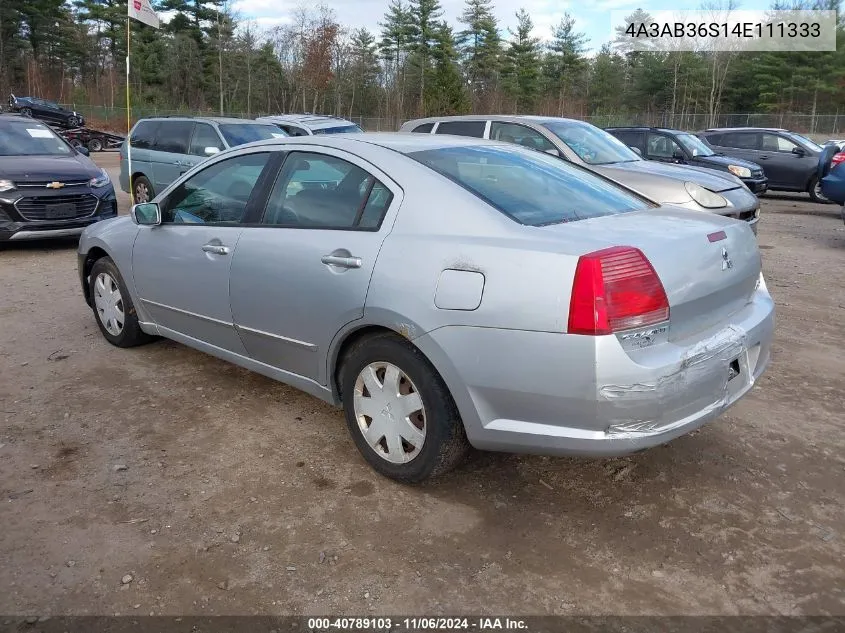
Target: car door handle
x: 216, y: 249
x: 764, y: 158
x: 342, y: 262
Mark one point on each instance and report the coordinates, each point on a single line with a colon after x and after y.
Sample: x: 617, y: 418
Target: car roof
x: 498, y: 117
x: 401, y: 142
x: 644, y: 128
x: 746, y: 129
x: 312, y: 121
x: 209, y: 119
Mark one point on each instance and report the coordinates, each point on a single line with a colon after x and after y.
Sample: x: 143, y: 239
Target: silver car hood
x: 649, y: 171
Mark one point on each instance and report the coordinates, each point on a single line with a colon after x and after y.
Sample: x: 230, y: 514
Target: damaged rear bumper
x: 557, y: 394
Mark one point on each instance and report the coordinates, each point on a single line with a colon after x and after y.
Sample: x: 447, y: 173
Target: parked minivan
x: 789, y: 159
x: 164, y: 148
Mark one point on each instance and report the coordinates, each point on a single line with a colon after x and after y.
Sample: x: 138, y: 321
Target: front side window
x: 592, y: 145
x: 425, y: 128
x: 218, y: 194
x: 462, y: 128
x: 144, y: 135
x: 28, y: 138
x: 775, y: 143
x: 662, y: 146
x: 519, y: 134
x: 324, y: 192
x: 205, y: 137
x: 530, y: 187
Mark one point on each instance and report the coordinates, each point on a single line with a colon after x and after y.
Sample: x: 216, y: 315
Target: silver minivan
x: 164, y: 148
x: 584, y: 144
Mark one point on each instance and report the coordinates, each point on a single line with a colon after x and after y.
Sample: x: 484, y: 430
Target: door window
x: 462, y: 128
x: 205, y: 136
x: 174, y: 136
x: 661, y: 146
x: 218, y: 194
x: 519, y: 134
x: 739, y: 140
x: 425, y: 128
x: 144, y: 134
x: 775, y: 143
x: 324, y: 192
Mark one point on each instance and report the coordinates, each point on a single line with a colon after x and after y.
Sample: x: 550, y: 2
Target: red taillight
x: 838, y: 158
x: 615, y: 289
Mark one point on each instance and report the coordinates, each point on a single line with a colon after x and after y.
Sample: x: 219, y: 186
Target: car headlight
x: 741, y: 172
x: 705, y: 197
x: 6, y: 185
x: 100, y: 181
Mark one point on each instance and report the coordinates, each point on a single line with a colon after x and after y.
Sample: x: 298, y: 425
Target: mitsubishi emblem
x: 726, y: 259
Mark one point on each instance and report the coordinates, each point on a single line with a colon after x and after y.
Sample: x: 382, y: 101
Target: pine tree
x: 521, y: 69
x: 445, y: 93
x: 424, y: 24
x: 480, y: 45
x: 565, y: 64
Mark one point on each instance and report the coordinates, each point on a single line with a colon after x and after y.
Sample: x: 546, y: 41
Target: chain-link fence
x: 821, y: 125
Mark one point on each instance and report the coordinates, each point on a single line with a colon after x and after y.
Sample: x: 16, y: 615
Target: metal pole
x: 128, y: 118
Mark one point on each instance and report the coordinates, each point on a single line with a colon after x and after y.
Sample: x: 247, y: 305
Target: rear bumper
x: 558, y: 394
x: 833, y: 185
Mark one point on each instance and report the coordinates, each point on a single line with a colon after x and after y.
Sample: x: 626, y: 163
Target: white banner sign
x: 143, y: 12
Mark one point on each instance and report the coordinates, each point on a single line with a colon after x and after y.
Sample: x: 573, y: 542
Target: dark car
x: 47, y: 188
x: 831, y: 173
x: 47, y: 111
x: 675, y: 146
x: 789, y: 160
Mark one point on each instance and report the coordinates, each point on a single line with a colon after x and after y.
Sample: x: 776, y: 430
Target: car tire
x: 95, y: 145
x: 111, y: 302
x: 404, y: 458
x: 26, y: 112
x: 815, y: 191
x: 73, y: 122
x: 142, y: 190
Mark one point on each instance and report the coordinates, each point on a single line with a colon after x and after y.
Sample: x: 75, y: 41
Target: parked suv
x: 683, y: 148
x: 164, y: 148
x: 47, y: 188
x: 47, y: 111
x: 789, y: 160
x: 693, y: 188
x: 311, y: 124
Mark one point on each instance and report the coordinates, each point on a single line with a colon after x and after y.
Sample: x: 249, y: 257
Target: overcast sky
x: 592, y: 16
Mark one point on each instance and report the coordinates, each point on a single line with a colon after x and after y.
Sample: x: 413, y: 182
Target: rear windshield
x: 343, y: 129
x: 243, y: 133
x: 530, y: 187
x: 28, y: 138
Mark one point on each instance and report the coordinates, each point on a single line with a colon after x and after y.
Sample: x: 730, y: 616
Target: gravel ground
x: 160, y: 480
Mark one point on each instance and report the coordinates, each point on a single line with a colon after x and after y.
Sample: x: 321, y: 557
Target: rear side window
x: 425, y: 128
x: 144, y: 134
x: 341, y: 129
x: 243, y: 133
x: 204, y: 137
x: 530, y: 187
x: 739, y: 140
x: 462, y: 128
x: 631, y: 139
x: 174, y: 136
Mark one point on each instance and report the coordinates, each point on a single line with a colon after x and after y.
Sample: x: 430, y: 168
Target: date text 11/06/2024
x: 394, y: 625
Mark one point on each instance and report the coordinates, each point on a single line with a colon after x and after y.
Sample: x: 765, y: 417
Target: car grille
x: 756, y: 173
x: 748, y: 216
x: 36, y: 208
x: 39, y: 184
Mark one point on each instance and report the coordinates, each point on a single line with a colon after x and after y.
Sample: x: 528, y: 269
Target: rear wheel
x: 73, y: 121
x: 113, y: 307
x: 26, y: 112
x: 399, y: 411
x: 95, y: 145
x: 815, y: 191
x: 142, y: 190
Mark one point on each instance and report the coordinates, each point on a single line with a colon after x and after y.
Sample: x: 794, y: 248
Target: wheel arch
x: 94, y: 254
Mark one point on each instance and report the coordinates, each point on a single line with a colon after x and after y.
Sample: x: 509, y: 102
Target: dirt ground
x: 212, y: 490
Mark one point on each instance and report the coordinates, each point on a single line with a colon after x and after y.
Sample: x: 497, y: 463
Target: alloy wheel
x: 142, y: 193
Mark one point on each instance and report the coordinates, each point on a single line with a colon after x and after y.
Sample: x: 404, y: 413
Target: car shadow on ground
x: 28, y: 246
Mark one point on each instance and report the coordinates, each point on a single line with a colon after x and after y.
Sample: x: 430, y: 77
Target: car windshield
x: 243, y: 133
x: 527, y: 186
x: 807, y: 142
x: 593, y: 145
x: 343, y: 129
x: 27, y: 138
x: 694, y: 145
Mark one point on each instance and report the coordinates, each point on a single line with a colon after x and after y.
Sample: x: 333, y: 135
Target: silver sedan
x: 446, y: 292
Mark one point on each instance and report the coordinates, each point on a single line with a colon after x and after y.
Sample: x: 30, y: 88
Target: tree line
x: 207, y: 58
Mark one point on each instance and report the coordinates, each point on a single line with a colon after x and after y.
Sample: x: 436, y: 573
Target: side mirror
x: 83, y: 150
x: 146, y: 214
x: 637, y: 150
x: 211, y: 151
x: 798, y: 151
x: 553, y: 152
x: 678, y: 155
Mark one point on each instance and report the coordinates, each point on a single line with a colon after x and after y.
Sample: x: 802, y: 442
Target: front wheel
x: 113, y: 307
x: 95, y: 145
x: 815, y: 191
x: 142, y: 190
x: 26, y: 112
x: 73, y: 121
x: 399, y: 411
